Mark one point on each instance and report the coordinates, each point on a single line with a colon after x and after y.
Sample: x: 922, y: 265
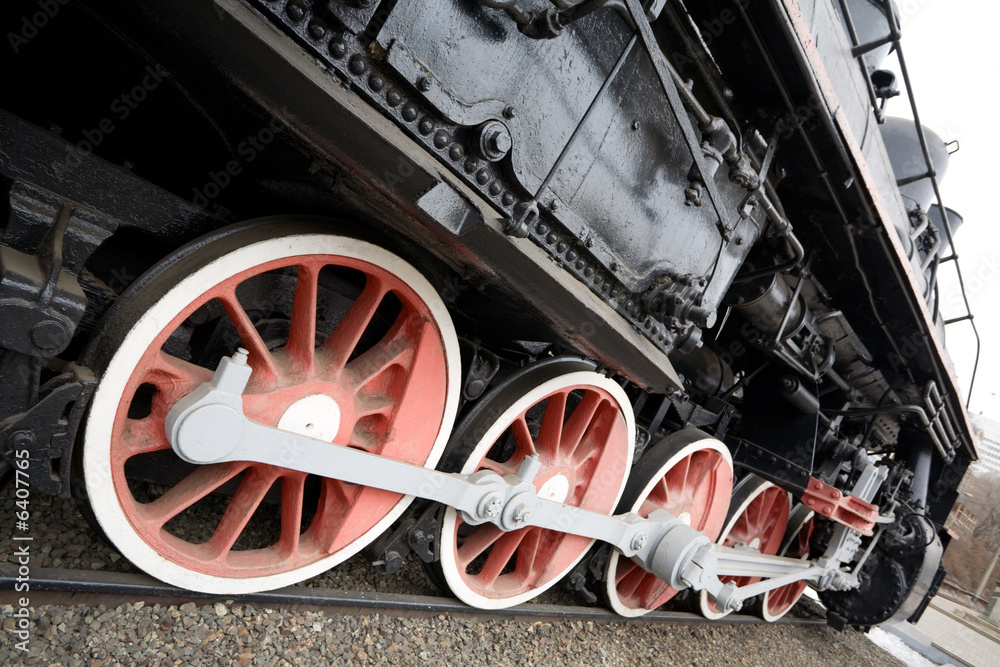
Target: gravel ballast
x: 225, y: 633
x: 219, y: 634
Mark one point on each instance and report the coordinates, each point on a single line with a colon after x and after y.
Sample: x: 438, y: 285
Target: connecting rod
x: 209, y: 426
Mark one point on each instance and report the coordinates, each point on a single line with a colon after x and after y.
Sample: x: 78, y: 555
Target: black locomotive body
x: 684, y: 211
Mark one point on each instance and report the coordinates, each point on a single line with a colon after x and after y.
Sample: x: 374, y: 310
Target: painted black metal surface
x: 596, y: 151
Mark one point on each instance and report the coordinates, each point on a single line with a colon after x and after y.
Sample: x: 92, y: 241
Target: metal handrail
x: 859, y: 51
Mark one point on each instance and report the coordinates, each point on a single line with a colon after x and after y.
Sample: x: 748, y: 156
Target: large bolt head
x: 21, y: 440
x: 500, y: 142
x: 494, y: 141
x: 521, y: 513
x: 50, y: 337
x: 490, y: 506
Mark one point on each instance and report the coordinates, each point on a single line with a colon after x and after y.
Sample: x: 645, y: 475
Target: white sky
x: 953, y: 61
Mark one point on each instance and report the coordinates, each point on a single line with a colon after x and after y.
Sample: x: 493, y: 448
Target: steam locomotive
x: 637, y: 297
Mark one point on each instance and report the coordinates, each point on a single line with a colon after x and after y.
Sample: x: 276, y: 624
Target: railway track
x: 64, y: 587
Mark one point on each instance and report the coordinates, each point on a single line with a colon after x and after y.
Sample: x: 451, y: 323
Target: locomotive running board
x: 209, y: 426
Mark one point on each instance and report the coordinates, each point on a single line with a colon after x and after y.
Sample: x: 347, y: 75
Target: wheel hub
x: 555, y: 488
x: 315, y: 416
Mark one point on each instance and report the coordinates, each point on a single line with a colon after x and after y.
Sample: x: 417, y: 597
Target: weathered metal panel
x: 622, y: 175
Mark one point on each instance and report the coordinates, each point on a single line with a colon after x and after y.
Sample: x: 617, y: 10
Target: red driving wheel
x: 348, y: 344
x: 757, y: 519
x: 778, y: 602
x: 580, y: 426
x: 689, y: 474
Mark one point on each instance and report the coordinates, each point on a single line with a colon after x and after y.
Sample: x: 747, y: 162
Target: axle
x: 209, y: 426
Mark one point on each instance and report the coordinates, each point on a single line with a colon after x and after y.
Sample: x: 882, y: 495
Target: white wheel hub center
x: 755, y: 544
x: 555, y: 488
x: 685, y: 517
x: 316, y: 416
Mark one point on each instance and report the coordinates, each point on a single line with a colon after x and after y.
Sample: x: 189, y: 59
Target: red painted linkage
x: 830, y: 502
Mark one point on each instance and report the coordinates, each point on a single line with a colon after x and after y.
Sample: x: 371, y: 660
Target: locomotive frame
x: 613, y: 199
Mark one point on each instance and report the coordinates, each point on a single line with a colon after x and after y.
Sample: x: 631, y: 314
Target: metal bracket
x: 851, y: 511
x: 417, y: 534
x: 40, y: 440
x: 46, y: 241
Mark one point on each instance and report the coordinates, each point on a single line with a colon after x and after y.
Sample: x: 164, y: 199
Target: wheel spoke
x: 260, y: 357
x: 528, y: 553
x: 680, y: 473
x: 608, y: 459
x: 346, y: 336
x: 524, y: 443
x: 505, y: 468
x: 188, y: 491
x: 740, y: 531
x: 365, y: 406
x: 479, y: 541
x: 648, y: 507
x: 335, y: 504
x: 500, y: 555
x: 578, y: 423
x: 255, y: 485
x: 664, y: 496
x: 550, y: 434
x: 292, y: 498
x: 140, y: 436
x: 766, y: 525
x: 302, y: 333
x: 401, y: 376
x: 172, y: 376
x: 628, y: 577
x: 392, y: 350
x: 705, y: 470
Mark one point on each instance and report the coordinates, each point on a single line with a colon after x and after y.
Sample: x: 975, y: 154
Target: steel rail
x: 132, y: 586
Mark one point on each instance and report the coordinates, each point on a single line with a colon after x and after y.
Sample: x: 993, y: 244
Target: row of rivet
x: 357, y: 65
x: 598, y: 283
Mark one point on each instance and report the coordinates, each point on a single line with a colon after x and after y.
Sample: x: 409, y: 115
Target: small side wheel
x: 757, y: 519
x: 348, y: 344
x: 580, y: 425
x: 775, y: 604
x: 689, y: 474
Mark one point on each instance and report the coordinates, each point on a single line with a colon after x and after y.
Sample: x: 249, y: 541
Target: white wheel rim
x: 703, y: 602
x: 789, y: 539
x: 614, y: 598
x: 104, y: 406
x: 449, y: 567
